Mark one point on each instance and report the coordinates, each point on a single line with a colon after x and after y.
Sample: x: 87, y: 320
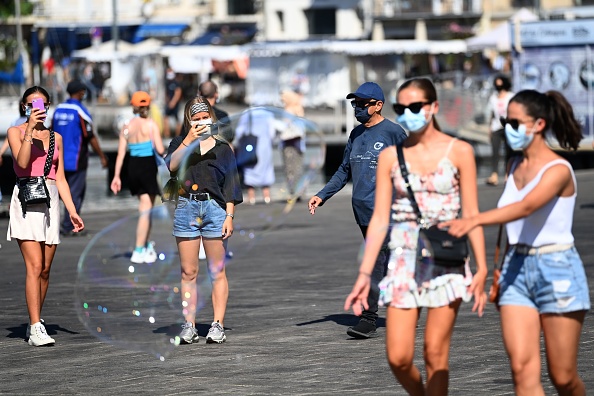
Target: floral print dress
x: 410, y: 283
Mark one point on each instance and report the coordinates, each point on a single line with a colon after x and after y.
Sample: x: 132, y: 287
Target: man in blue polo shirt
x: 359, y: 165
x: 73, y: 121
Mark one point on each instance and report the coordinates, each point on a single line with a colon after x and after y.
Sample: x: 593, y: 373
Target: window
x: 321, y: 21
x: 281, y: 20
x: 241, y: 7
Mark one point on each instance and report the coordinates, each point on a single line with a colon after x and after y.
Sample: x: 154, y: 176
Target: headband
x: 198, y: 108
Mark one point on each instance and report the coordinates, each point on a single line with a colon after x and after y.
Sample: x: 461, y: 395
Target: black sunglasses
x: 515, y: 124
x: 413, y: 107
x: 363, y: 103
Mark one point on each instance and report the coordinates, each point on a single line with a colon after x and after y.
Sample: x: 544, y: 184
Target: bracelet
x: 230, y: 215
x: 365, y: 273
x: 185, y: 144
x: 25, y: 140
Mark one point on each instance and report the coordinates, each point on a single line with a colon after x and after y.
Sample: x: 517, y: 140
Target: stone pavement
x: 286, y: 326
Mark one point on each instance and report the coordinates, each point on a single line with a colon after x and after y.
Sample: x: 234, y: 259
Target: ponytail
x: 564, y: 125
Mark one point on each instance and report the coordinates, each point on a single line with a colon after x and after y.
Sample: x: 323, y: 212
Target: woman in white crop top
x: 543, y: 286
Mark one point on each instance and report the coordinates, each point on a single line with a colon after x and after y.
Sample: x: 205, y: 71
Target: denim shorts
x: 193, y: 219
x: 550, y: 283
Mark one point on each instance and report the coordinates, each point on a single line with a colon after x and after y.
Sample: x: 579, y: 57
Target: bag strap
x: 50, y: 153
x: 411, y: 193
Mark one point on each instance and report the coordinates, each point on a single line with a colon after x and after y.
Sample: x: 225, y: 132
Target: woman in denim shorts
x: 209, y: 190
x: 543, y: 285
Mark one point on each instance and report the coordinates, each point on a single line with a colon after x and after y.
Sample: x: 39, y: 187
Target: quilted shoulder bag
x: 33, y: 190
x: 444, y: 249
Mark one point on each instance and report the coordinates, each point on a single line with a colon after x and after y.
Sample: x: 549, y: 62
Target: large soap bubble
x: 140, y: 306
x: 132, y: 306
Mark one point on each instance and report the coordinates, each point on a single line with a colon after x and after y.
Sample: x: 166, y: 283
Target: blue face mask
x: 412, y: 122
x: 362, y: 114
x: 518, y: 139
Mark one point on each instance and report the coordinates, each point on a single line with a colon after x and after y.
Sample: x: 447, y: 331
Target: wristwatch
x: 230, y: 215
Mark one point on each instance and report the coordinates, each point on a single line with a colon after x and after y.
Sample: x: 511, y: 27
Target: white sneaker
x: 189, y: 334
x: 216, y: 334
x: 28, y: 332
x: 138, y: 257
x: 39, y: 336
x: 150, y: 256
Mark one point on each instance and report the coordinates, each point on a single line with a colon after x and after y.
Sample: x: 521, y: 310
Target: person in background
x: 37, y: 229
x: 205, y: 166
x: 292, y: 141
x: 497, y: 108
x: 20, y: 120
x: 442, y: 175
x: 74, y: 123
x: 259, y: 122
x: 543, y: 285
x: 359, y: 165
x: 141, y: 136
x: 173, y: 97
x: 209, y: 90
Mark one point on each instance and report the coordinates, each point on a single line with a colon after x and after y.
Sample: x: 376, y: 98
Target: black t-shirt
x: 214, y: 172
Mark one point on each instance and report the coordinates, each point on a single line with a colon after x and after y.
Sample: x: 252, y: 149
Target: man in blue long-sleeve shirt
x: 359, y: 165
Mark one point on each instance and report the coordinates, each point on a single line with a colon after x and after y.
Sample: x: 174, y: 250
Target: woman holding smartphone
x: 37, y: 227
x: 206, y: 169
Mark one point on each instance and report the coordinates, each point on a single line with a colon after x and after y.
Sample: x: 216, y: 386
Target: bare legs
x: 252, y: 194
x: 143, y: 228
x: 400, y: 347
x: 561, y: 334
x: 38, y: 260
x: 215, y: 253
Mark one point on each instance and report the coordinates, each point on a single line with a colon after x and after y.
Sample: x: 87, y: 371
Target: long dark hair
x: 33, y: 90
x: 425, y: 85
x: 555, y: 110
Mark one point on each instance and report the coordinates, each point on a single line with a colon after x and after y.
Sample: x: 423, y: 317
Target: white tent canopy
x: 198, y: 58
x: 106, y: 52
x: 499, y: 38
x: 359, y: 48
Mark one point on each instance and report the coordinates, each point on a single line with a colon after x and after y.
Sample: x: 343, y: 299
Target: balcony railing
x: 434, y: 7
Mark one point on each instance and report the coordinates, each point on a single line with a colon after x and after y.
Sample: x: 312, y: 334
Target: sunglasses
x: 515, y: 124
x: 415, y: 108
x: 363, y: 103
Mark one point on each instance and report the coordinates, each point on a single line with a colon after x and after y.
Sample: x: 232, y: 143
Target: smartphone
x: 38, y: 104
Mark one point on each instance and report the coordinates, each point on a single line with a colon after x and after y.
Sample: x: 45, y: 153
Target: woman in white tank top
x: 543, y: 286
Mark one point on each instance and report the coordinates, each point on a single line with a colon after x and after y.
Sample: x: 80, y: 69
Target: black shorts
x: 142, y: 176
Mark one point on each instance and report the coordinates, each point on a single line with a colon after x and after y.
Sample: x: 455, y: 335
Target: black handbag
x: 33, y: 190
x: 435, y: 243
x: 245, y: 152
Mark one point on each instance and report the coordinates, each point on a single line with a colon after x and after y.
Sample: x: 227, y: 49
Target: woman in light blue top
x: 143, y: 139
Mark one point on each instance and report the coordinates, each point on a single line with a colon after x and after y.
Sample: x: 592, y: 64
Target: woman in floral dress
x: 442, y: 174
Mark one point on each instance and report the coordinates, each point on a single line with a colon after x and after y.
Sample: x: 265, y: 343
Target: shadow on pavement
x: 341, y: 319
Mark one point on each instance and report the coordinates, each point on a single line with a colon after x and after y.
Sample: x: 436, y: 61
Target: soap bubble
x: 139, y: 306
x: 129, y: 305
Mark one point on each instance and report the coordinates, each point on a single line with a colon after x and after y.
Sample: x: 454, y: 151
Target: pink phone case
x: 38, y: 104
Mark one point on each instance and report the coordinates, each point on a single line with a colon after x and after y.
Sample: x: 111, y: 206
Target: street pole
x: 19, y: 34
x: 114, y: 26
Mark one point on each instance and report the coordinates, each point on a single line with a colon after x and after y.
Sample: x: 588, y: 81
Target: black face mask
x: 499, y: 88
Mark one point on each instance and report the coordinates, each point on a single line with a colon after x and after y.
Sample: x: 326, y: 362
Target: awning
x: 227, y: 34
x: 160, y: 30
